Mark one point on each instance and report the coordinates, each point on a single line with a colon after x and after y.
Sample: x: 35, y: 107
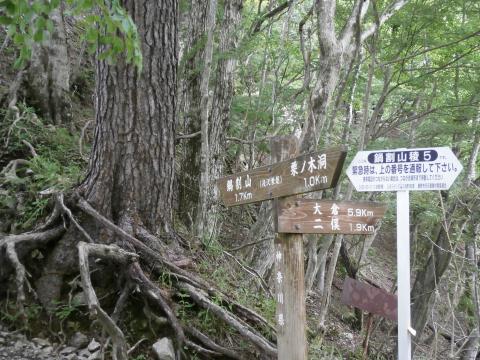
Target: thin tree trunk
x: 190, y: 98
x: 221, y: 104
x: 204, y: 185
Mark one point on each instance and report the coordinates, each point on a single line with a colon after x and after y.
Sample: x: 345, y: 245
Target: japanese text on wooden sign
x: 310, y: 216
x: 409, y: 169
x: 369, y: 298
x: 305, y: 173
x: 279, y: 286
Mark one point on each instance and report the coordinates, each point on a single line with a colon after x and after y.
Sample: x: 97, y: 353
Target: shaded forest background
x: 118, y: 117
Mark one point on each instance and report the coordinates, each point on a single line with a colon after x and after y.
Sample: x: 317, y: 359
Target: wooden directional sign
x: 305, y: 173
x: 404, y: 169
x: 310, y: 216
x: 369, y: 298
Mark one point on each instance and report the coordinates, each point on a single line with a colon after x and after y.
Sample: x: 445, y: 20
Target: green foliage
x: 11, y: 315
x: 108, y: 27
x: 57, y: 166
x: 467, y: 306
x: 139, y: 357
x: 63, y: 311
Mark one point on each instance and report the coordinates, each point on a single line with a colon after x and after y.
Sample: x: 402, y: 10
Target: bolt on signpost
x: 404, y: 170
x: 287, y: 175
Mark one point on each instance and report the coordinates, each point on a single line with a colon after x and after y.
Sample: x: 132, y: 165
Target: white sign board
x: 404, y: 169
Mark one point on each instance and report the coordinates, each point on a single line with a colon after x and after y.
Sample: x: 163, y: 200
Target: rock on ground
x: 164, y: 350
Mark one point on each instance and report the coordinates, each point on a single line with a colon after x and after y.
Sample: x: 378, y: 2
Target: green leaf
x: 38, y: 37
x: 10, y: 6
x: 19, y: 38
x: 5, y: 20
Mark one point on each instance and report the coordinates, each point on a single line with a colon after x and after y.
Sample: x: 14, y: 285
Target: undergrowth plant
x: 36, y: 160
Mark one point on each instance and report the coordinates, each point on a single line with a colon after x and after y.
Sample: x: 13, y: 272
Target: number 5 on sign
x: 402, y: 170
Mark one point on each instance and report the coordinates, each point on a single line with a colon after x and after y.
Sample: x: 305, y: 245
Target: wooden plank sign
x: 369, y: 298
x: 305, y: 173
x: 310, y: 216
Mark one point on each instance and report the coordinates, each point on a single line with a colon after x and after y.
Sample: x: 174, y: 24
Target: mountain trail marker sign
x: 310, y: 216
x: 402, y: 170
x: 305, y: 173
x: 293, y: 216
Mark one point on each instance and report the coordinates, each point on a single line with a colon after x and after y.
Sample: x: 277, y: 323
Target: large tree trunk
x: 132, y: 164
x: 131, y: 169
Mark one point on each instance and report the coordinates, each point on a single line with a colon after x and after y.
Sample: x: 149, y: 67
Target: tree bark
x: 131, y: 168
x: 203, y: 191
x: 190, y: 97
x: 49, y: 74
x: 223, y: 92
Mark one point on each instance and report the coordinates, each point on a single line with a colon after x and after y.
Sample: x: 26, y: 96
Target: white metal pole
x: 403, y: 275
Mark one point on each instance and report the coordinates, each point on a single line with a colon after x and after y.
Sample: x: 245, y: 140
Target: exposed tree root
x: 157, y: 260
x: 66, y: 210
x: 148, y: 288
x: 158, y: 257
x: 26, y: 242
x: 244, y: 329
x: 119, y: 256
x: 20, y: 278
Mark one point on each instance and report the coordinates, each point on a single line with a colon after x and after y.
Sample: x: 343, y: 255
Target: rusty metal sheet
x: 305, y: 173
x: 369, y: 298
x: 310, y: 216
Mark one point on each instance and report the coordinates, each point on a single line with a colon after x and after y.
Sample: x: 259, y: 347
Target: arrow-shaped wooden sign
x: 310, y: 216
x: 305, y: 173
x: 369, y: 298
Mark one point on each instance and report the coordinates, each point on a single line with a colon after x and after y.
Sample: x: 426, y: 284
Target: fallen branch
x: 205, y: 340
x: 252, y: 272
x: 252, y: 243
x: 197, y: 348
x: 244, y: 330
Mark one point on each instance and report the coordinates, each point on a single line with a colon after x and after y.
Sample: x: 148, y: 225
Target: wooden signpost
x: 371, y: 299
x: 309, y: 216
x: 289, y: 175
x: 305, y: 173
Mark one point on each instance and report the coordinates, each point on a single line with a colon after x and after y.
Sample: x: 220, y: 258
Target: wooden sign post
x: 287, y: 175
x: 310, y: 216
x: 291, y: 315
x: 369, y: 298
x: 305, y: 173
